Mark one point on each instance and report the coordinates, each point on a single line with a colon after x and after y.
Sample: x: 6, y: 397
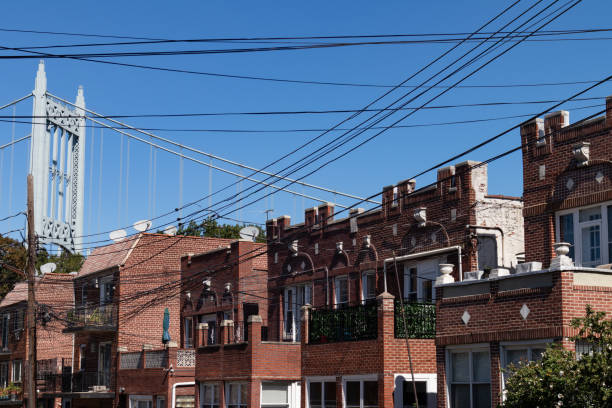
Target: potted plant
x: 14, y: 390
x: 4, y: 393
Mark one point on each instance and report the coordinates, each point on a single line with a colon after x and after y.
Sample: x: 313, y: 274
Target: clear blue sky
x: 394, y: 156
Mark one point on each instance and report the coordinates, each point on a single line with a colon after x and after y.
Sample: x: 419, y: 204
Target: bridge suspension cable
x: 212, y: 156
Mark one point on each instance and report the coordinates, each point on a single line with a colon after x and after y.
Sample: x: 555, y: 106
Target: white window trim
x: 190, y: 337
x: 517, y: 345
x: 364, y: 377
x: 293, y: 393
x: 210, y: 383
x: 20, y: 371
x: 431, y: 381
x: 424, y: 268
x: 337, y: 290
x: 139, y: 398
x: 462, y: 348
x: 227, y: 392
x: 577, y: 238
x: 297, y: 311
x: 364, y: 275
x: 158, y: 399
x: 316, y: 379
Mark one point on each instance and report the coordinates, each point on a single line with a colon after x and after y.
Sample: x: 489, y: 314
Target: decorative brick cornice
x: 505, y: 335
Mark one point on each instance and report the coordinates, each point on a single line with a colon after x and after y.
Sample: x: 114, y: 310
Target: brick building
x: 53, y: 294
x: 335, y: 284
x: 225, y: 316
x: 484, y: 325
x: 123, y: 355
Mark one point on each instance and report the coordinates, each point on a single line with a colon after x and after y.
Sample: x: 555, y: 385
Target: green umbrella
x: 166, y: 335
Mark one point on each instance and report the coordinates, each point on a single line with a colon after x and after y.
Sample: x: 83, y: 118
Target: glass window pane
x: 330, y: 394
x: 408, y: 394
x: 536, y: 353
x: 370, y: 394
x: 274, y: 393
x: 515, y: 356
x: 589, y: 214
x: 234, y: 393
x: 460, y: 396
x: 353, y: 398
x: 315, y: 395
x: 243, y: 394
x: 610, y: 234
x: 481, y: 366
x: 482, y: 395
x: 460, y: 367
x: 566, y: 231
x: 591, y: 246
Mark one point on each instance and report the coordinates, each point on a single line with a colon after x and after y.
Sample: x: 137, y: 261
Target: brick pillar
x: 254, y: 397
x: 441, y: 376
x: 226, y: 332
x: 172, y: 348
x: 609, y: 111
x: 386, y: 335
x: 202, y: 335
x: 496, y: 381
x: 254, y: 322
x: 304, y: 327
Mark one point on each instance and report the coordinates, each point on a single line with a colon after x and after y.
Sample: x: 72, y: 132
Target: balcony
x: 351, y: 323
x: 420, y: 320
x: 99, y: 318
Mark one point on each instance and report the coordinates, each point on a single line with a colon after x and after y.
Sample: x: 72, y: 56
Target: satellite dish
x: 251, y: 233
x: 143, y: 225
x: 48, y: 268
x: 170, y: 230
x: 118, y: 235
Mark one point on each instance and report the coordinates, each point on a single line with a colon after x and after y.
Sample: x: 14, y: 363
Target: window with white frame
x: 4, y: 374
x: 275, y: 394
x: 107, y: 288
x: 408, y: 398
x: 294, y: 298
x: 160, y: 402
x: 470, y: 378
x: 141, y: 401
x: 368, y: 286
x: 520, y: 354
x: 395, y: 197
x: 342, y: 295
x: 322, y: 394
x: 211, y: 320
x: 188, y: 332
x: 361, y: 393
x: 6, y: 318
x: 209, y: 395
x: 16, y: 376
x: 236, y: 395
x: 589, y: 230
x: 419, y: 281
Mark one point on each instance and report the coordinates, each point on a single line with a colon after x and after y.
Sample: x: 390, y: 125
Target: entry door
x: 104, y: 364
x: 295, y: 298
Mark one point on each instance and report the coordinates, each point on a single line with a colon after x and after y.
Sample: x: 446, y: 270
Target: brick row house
x: 53, y: 293
x: 486, y: 324
x: 124, y: 327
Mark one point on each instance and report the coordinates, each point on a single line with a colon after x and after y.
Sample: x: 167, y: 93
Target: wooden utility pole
x: 31, y: 312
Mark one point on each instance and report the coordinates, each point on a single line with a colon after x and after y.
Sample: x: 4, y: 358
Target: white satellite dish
x: 251, y: 233
x: 170, y: 230
x: 118, y: 235
x: 143, y: 225
x: 48, y: 268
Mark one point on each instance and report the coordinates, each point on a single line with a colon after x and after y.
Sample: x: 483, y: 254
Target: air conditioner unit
x: 528, y: 267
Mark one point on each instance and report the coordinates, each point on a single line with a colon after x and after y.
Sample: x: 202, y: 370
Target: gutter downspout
x: 431, y: 252
x: 174, y: 391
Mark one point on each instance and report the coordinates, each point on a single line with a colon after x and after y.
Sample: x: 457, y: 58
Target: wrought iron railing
x: 420, y: 320
x: 156, y: 359
x: 345, y: 324
x: 88, y: 381
x: 92, y: 317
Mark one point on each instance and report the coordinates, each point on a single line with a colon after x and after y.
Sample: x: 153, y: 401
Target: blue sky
x: 395, y: 155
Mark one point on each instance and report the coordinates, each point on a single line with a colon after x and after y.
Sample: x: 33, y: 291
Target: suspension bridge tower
x: 57, y: 164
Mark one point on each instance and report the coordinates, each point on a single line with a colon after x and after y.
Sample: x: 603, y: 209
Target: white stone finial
x: 367, y: 241
x: 561, y: 260
x: 445, y: 277
x: 339, y: 246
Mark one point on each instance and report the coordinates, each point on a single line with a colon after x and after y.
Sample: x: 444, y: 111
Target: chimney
x: 609, y: 111
x: 532, y: 134
x: 311, y: 216
x: 326, y: 213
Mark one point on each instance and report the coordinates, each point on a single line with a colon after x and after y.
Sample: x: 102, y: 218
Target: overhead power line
x: 313, y: 111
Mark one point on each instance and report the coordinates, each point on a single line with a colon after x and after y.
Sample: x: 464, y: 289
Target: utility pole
x: 31, y: 313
